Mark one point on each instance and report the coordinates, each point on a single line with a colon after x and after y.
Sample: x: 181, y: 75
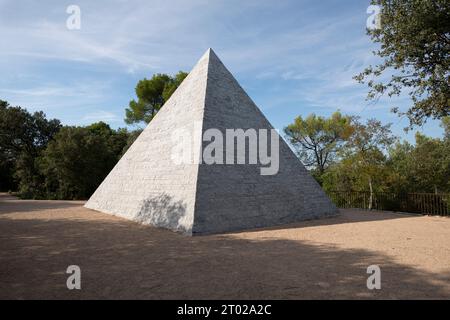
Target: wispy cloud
x: 292, y: 56
x: 56, y: 95
x: 101, y: 115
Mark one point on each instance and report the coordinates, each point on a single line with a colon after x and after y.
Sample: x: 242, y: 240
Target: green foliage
x: 363, y: 161
x: 41, y: 159
x: 132, y: 136
x: 446, y: 125
x: 22, y: 137
x: 371, y: 136
x: 414, y: 43
x: 151, y: 95
x: 365, y: 149
x: 373, y: 160
x: 78, y: 159
x: 399, y: 163
x: 424, y: 167
x: 357, y: 172
x: 317, y: 139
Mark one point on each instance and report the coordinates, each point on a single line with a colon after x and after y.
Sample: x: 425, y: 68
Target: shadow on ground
x: 364, y: 216
x: 9, y: 204
x: 124, y: 260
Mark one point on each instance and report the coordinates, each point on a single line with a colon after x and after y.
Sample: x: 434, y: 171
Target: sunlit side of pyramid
x: 147, y: 186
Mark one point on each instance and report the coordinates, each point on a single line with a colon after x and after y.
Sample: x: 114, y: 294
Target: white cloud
x: 56, y: 95
x: 101, y: 115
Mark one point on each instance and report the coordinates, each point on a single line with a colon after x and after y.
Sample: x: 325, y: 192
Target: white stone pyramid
x: 148, y: 186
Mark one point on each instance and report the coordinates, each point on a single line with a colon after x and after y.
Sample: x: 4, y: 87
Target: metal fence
x: 423, y: 203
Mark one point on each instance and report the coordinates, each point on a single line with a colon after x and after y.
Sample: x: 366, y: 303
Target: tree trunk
x: 371, y: 193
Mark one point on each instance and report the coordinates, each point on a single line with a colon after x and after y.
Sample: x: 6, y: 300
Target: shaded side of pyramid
x: 146, y: 185
x: 235, y: 197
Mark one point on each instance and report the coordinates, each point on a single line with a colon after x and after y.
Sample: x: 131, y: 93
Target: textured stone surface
x: 147, y: 186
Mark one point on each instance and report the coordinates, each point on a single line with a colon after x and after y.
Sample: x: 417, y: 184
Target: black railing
x: 423, y: 203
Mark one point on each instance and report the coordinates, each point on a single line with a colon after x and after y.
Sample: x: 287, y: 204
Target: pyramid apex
x: 209, y: 53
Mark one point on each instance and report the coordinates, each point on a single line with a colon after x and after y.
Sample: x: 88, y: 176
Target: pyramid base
x: 232, y: 226
x: 258, y: 223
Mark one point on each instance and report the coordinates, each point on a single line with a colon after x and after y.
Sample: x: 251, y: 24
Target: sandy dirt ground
x: 119, y: 259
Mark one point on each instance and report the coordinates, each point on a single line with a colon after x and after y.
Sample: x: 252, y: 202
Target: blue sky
x: 292, y: 57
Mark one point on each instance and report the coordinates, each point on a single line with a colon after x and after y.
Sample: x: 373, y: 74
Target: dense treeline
x: 41, y: 159
x: 345, y: 154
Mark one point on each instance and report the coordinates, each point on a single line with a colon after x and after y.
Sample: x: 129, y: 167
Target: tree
x: 317, y: 139
x: 424, y: 167
x: 116, y: 140
x: 41, y: 159
x: 415, y: 47
x: 365, y: 150
x: 22, y: 137
x: 151, y: 95
x: 78, y: 159
x: 401, y: 163
x: 132, y: 136
x: 372, y: 161
x: 431, y: 159
x: 446, y: 125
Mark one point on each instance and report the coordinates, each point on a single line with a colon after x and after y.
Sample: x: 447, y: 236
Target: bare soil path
x: 120, y: 259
